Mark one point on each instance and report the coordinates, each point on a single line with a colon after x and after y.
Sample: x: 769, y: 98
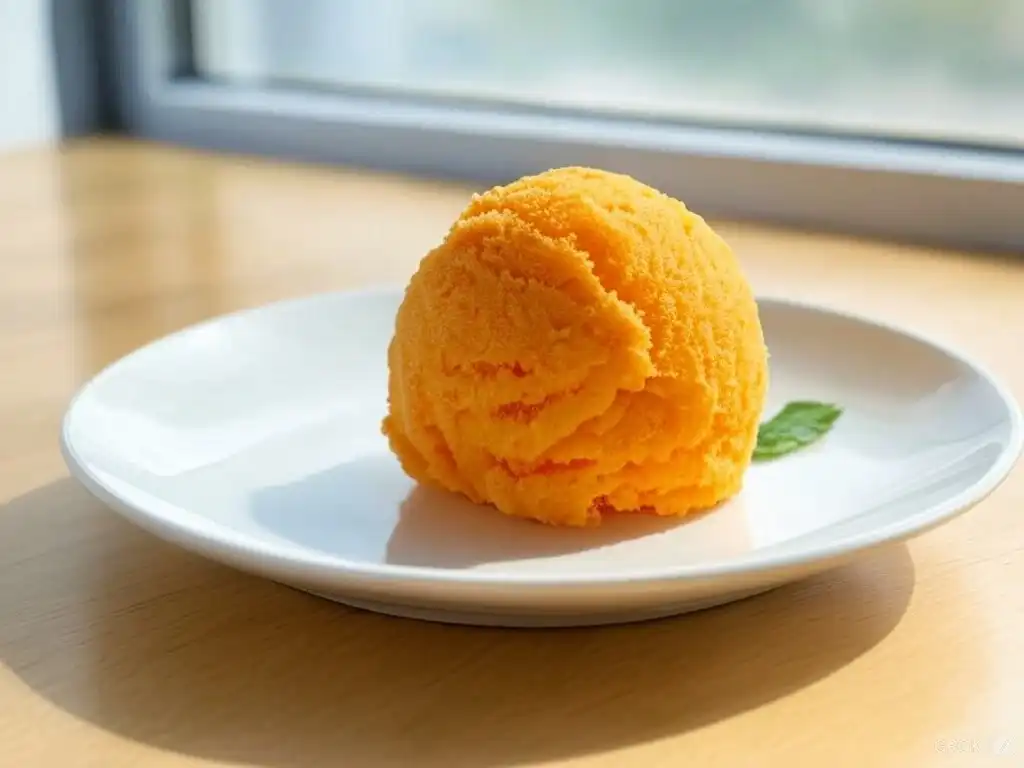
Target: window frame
x: 942, y: 194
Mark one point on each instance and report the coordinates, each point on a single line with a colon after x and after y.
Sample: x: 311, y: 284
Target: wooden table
x: 117, y: 650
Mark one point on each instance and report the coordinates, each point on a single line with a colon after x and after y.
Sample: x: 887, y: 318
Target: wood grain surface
x: 118, y: 650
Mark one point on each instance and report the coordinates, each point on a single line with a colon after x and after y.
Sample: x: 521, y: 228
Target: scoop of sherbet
x: 579, y: 344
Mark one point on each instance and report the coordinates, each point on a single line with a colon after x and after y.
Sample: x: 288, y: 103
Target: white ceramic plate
x: 254, y: 439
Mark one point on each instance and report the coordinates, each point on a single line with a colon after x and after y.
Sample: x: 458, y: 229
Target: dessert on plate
x: 580, y: 344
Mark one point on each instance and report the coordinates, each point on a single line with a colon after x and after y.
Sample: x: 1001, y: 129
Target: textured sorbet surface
x: 580, y: 344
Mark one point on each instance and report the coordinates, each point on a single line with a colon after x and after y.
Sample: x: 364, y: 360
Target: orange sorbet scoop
x: 579, y: 344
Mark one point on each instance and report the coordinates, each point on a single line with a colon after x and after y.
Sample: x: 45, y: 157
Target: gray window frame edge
x: 950, y: 196
x: 81, y: 44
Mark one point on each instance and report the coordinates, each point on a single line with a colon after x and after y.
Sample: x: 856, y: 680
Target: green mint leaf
x: 796, y: 426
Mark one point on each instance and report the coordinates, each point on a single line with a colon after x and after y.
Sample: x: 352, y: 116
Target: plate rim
x: 173, y: 523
